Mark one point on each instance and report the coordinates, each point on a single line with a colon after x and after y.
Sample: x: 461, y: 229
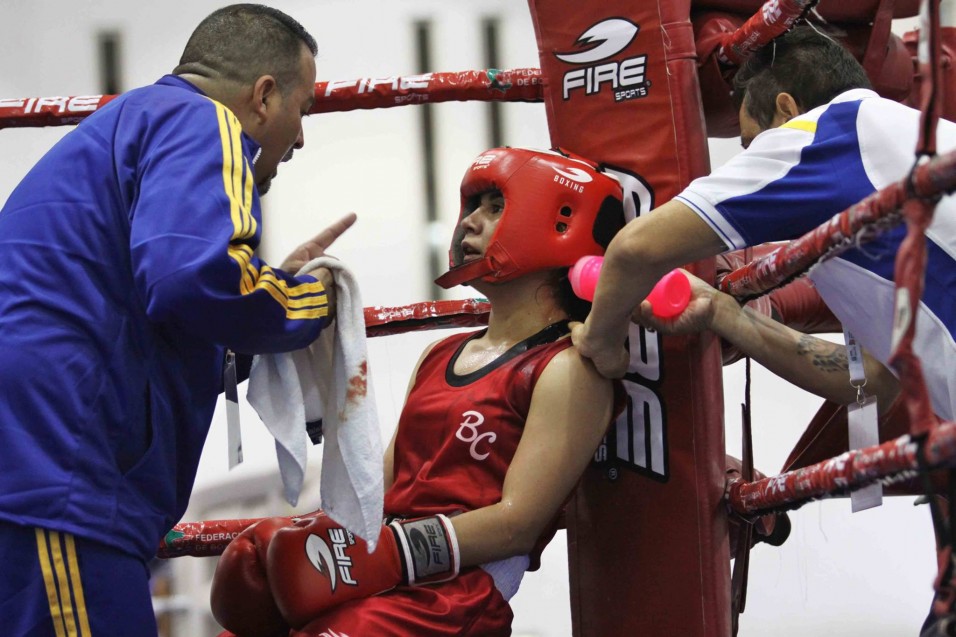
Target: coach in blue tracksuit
x: 127, y: 268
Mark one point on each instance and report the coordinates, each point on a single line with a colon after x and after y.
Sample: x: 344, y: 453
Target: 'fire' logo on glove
x: 419, y: 547
x: 331, y: 562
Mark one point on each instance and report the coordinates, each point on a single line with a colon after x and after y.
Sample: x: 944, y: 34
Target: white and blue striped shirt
x: 793, y: 178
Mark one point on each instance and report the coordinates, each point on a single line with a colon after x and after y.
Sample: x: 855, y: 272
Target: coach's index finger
x: 316, y: 246
x: 328, y: 236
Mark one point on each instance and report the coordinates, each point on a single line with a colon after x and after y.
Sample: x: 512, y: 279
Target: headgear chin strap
x: 558, y: 208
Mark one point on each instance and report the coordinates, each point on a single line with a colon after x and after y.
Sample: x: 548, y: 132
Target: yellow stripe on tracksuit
x: 61, y: 579
x: 238, y: 183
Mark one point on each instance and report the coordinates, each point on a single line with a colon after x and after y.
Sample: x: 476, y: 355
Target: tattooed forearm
x: 829, y: 357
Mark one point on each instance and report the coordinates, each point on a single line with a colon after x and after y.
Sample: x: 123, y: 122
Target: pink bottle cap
x: 671, y: 295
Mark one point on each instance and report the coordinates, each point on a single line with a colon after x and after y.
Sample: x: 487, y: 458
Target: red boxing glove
x: 317, y: 564
x: 240, y: 597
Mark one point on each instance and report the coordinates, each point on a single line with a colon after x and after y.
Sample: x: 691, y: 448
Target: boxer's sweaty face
x: 480, y: 224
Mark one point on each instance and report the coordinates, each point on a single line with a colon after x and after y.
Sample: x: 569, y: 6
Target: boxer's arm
x: 570, y: 411
x: 389, y: 461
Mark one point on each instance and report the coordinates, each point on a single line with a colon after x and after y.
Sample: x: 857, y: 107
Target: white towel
x: 329, y: 380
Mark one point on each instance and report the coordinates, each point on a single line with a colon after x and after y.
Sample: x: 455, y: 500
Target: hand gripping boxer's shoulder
x: 639, y: 255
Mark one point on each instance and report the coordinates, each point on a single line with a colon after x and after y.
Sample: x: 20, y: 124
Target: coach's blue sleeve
x: 195, y: 225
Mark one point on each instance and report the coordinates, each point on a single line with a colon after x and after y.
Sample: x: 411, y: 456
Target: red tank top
x: 458, y: 434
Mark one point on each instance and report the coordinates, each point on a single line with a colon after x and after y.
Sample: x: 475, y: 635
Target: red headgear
x: 558, y: 208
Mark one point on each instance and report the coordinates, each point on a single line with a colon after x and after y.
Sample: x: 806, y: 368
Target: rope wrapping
x: 888, y: 462
x: 429, y: 315
x: 774, y: 18
x: 201, y: 539
x: 486, y: 85
x: 850, y: 228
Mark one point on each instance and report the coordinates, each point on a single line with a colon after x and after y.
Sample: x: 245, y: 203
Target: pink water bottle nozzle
x: 668, y: 298
x: 584, y: 276
x: 671, y: 295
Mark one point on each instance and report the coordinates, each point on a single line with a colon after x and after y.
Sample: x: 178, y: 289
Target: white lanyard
x: 862, y: 420
x: 231, y: 390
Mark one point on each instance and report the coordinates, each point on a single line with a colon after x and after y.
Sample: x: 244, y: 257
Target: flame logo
x: 609, y: 38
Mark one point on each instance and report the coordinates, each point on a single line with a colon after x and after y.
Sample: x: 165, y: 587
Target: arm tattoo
x: 829, y: 357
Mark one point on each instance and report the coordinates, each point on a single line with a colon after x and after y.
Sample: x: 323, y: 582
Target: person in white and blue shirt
x: 817, y: 140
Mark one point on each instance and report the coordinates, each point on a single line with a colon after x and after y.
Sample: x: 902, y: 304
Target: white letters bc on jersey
x: 468, y: 433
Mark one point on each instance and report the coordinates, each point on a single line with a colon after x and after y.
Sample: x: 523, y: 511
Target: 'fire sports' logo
x: 606, y: 39
x: 332, y: 562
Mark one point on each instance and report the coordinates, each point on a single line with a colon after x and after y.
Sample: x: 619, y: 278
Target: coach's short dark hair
x: 243, y: 42
x: 808, y: 65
